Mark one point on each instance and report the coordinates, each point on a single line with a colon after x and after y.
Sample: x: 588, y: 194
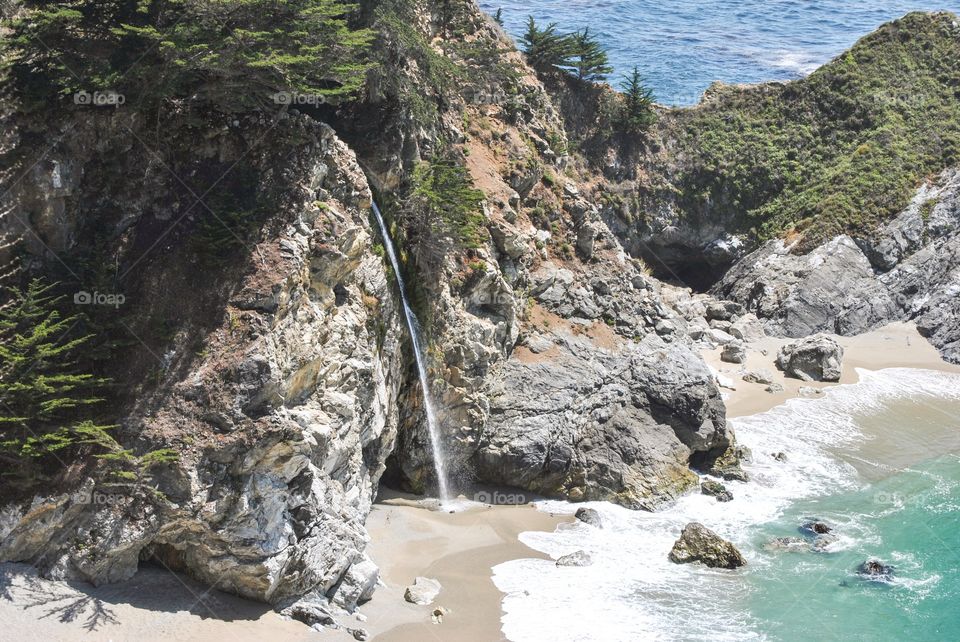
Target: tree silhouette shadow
x: 55, y: 600
x: 92, y: 608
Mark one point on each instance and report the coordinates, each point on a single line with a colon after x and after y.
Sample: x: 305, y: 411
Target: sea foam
x: 633, y: 592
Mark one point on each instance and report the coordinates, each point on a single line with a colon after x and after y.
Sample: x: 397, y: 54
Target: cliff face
x: 908, y: 269
x: 282, y: 423
x: 277, y: 370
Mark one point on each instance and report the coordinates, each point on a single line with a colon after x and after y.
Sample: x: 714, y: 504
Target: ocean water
x: 684, y: 45
x: 878, y: 460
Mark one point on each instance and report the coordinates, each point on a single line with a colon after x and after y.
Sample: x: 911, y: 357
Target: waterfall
x: 413, y: 325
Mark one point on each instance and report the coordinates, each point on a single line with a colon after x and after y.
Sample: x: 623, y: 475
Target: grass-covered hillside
x: 840, y: 150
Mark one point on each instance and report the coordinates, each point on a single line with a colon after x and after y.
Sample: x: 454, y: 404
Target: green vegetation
x: 443, y: 212
x: 233, y: 54
x: 839, y: 151
x: 578, y: 53
x: 45, y: 398
x: 637, y: 114
x: 589, y: 58
x: 546, y: 49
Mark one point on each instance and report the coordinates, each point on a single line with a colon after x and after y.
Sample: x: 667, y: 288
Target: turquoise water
x: 684, y: 45
x: 911, y: 521
x: 879, y: 461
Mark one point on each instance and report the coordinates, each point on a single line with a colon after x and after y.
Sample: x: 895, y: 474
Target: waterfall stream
x: 413, y: 325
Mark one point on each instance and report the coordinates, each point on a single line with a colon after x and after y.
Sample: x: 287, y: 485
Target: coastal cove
x: 410, y: 320
x: 682, y: 47
x: 859, y: 454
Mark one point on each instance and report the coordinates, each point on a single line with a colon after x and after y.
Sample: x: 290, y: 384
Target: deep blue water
x: 684, y: 45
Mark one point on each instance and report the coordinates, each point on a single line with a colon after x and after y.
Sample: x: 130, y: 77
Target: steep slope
x: 259, y: 340
x: 838, y: 152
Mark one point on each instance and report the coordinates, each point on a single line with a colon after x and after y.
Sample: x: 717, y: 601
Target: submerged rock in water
x: 589, y: 516
x: 580, y: 558
x: 423, y: 591
x: 822, y: 542
x: 817, y: 528
x: 817, y: 358
x: 727, y: 466
x: 875, y: 570
x: 716, y: 490
x: 698, y: 543
x: 792, y: 544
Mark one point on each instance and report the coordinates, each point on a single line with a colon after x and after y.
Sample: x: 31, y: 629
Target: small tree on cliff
x: 545, y: 48
x: 443, y: 212
x: 638, y: 114
x: 590, y: 60
x: 44, y: 395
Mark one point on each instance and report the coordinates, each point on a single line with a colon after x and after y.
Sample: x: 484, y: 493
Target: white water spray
x: 433, y: 427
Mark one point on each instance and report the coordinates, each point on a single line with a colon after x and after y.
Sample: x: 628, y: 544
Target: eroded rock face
x: 908, y: 270
x: 817, y: 358
x: 698, y: 543
x: 595, y: 424
x: 288, y: 420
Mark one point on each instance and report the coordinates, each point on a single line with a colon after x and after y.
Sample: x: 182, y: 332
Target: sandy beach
x: 898, y: 345
x: 407, y: 540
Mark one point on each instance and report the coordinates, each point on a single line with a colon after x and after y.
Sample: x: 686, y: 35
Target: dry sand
x: 408, y: 540
x: 898, y: 345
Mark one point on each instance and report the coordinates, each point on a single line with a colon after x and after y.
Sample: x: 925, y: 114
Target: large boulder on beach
x: 579, y: 558
x: 817, y: 358
x: 698, y: 543
x: 589, y: 516
x: 716, y: 490
x: 734, y: 352
x: 423, y: 591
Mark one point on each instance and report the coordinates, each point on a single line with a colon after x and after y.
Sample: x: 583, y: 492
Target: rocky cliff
x: 282, y: 422
x: 908, y: 269
x: 265, y: 350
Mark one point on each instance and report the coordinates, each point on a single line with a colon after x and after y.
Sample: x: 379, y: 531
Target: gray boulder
x: 589, y: 516
x: 818, y: 358
x: 734, y: 353
x: 716, y: 490
x: 592, y: 424
x: 698, y: 543
x: 761, y: 376
x: 423, y: 591
x: 580, y: 558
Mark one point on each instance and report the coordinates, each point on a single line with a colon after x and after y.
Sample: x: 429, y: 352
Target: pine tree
x: 42, y: 393
x: 498, y: 17
x: 545, y: 48
x: 638, y: 113
x: 590, y: 60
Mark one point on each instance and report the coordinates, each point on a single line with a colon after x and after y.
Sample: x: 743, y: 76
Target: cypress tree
x: 590, y: 60
x: 638, y: 103
x: 43, y: 394
x: 545, y: 48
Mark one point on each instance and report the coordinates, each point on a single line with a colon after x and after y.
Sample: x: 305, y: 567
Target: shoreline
x: 898, y: 345
x: 408, y: 540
